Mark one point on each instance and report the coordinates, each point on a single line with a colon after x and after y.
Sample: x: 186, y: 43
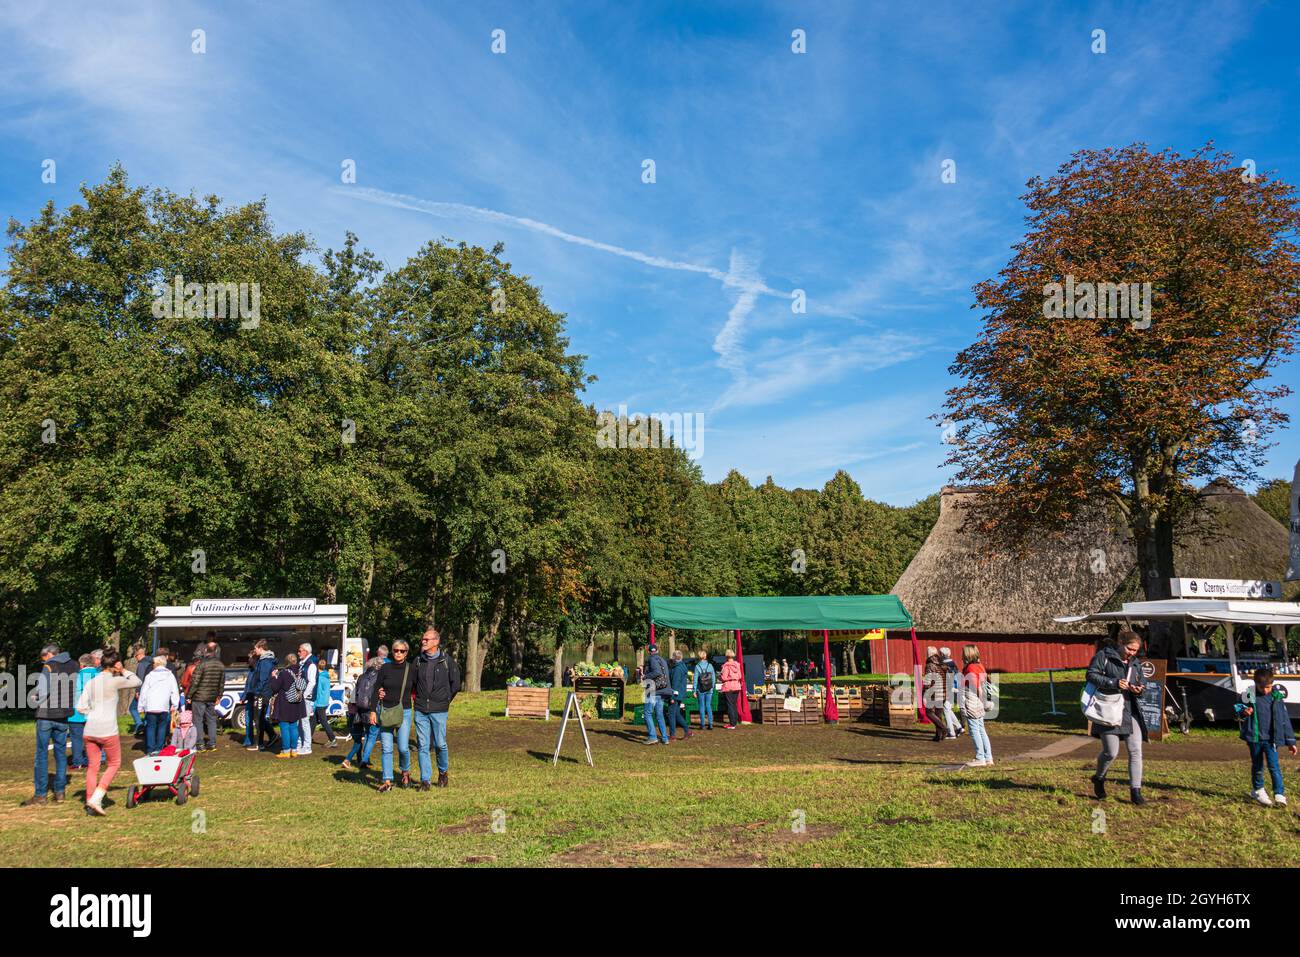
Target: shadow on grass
x: 549, y: 757
x: 997, y: 784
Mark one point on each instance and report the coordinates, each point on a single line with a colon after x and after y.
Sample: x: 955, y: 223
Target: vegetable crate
x: 528, y: 703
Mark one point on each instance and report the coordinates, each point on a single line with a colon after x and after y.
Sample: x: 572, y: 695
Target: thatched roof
x: 959, y: 582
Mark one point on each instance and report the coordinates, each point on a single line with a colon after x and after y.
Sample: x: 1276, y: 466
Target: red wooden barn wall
x: 1007, y: 653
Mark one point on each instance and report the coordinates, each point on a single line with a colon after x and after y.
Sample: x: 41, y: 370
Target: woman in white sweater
x: 98, y: 702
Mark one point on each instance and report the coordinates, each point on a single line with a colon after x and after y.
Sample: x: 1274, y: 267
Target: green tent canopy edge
x: 781, y: 613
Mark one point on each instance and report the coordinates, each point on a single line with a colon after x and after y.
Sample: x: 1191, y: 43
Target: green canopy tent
x: 784, y: 613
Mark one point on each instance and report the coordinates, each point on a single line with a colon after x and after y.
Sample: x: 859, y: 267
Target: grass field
x: 864, y: 795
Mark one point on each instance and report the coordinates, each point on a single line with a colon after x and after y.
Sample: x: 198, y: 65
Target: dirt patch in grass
x: 473, y: 825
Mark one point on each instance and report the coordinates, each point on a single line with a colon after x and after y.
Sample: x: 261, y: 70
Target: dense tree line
x: 412, y: 442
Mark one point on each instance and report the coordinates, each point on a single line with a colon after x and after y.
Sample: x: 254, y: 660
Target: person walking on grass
x: 656, y: 687
x: 437, y: 682
x: 207, y: 681
x: 950, y: 714
x: 705, y: 681
x: 972, y: 705
x: 289, y: 688
x: 307, y: 662
x: 140, y: 665
x: 321, y: 702
x: 935, y: 688
x: 733, y: 683
x: 396, y: 678
x: 677, y: 673
x: 1114, y: 671
x: 159, y: 698
x: 98, y: 702
x: 1265, y: 726
x: 52, y: 699
x: 77, y: 720
x: 365, y: 700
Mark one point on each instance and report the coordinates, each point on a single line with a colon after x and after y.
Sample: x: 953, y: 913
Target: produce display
x: 517, y: 682
x: 591, y: 669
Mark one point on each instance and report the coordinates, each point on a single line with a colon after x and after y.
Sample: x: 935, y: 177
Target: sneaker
x: 333, y: 742
x: 1277, y: 799
x: 1136, y: 795
x: 1261, y: 797
x: 649, y: 741
x: 406, y: 779
x: 976, y: 764
x: 385, y: 786
x: 285, y: 754
x: 728, y: 727
x: 425, y: 786
x: 442, y: 779
x: 57, y: 796
x: 95, y: 809
x: 35, y: 800
x: 253, y: 747
x: 347, y: 765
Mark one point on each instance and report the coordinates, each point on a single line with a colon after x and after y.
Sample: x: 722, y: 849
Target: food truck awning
x: 1199, y: 610
x: 782, y: 613
x: 182, y: 616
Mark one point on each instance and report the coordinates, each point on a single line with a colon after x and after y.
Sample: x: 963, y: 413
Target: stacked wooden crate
x: 528, y: 703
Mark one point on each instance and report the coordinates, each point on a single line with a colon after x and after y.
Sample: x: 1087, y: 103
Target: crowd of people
x: 286, y: 701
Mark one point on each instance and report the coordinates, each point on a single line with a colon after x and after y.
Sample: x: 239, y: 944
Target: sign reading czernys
x: 253, y: 606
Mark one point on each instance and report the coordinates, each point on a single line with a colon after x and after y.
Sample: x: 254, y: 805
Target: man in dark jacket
x: 206, y: 684
x: 437, y: 681
x: 52, y: 699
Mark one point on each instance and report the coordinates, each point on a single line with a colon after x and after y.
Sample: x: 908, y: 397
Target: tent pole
x: 746, y: 717
x: 831, y: 712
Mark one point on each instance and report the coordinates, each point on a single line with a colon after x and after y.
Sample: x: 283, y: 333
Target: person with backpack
x: 289, y: 688
x: 395, y: 715
x: 259, y: 706
x: 733, y: 681
x: 207, y: 682
x: 705, y: 680
x: 1265, y: 727
x: 437, y: 682
x: 655, y: 686
x: 321, y: 701
x: 52, y: 699
x: 365, y: 699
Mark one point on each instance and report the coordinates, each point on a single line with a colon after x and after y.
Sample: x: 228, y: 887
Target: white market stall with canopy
x: 238, y: 623
x: 1208, y: 607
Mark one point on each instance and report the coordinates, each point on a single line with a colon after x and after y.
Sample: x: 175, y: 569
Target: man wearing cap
x: 656, y: 690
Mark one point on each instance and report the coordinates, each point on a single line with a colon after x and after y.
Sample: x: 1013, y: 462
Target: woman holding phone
x: 1114, y: 670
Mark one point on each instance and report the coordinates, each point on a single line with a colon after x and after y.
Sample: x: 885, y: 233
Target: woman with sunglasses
x: 396, y: 680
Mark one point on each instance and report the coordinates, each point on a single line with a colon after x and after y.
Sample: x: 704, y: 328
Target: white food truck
x: 284, y: 623
x: 1231, y: 627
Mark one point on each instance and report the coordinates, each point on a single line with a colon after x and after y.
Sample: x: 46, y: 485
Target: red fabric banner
x: 746, y: 717
x: 830, y: 712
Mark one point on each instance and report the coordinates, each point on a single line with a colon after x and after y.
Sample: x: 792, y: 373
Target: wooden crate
x: 528, y: 703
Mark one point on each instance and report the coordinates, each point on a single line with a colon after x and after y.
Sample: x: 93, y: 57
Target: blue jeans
x: 77, y: 731
x: 1259, y: 753
x: 288, y: 736
x: 136, y: 722
x: 155, y: 730
x: 431, y: 726
x: 980, y: 738
x: 403, y: 734
x: 676, y: 712
x: 654, y: 710
x: 706, y: 708
x: 364, y: 736
x: 56, y: 732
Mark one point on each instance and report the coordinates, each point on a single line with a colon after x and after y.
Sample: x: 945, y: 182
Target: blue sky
x: 775, y: 171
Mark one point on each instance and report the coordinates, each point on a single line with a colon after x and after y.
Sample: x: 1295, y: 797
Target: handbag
x: 392, y: 717
x: 1101, y: 708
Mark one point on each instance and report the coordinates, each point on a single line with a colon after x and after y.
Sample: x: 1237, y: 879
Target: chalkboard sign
x: 1152, y: 700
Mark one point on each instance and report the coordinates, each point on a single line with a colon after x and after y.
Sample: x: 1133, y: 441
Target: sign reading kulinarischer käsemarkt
x: 253, y: 606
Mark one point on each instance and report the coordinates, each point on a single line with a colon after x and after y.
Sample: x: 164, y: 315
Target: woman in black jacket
x: 396, y: 681
x: 1114, y: 671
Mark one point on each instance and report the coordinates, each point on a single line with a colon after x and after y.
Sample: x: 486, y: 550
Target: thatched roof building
x: 959, y: 589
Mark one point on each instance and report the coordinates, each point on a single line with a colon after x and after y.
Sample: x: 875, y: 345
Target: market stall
x: 1202, y: 683
x: 824, y: 613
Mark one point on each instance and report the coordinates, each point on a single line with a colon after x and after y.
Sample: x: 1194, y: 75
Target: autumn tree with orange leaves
x: 1060, y: 407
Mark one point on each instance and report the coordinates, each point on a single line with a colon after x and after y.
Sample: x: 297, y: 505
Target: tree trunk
x: 473, y: 666
x: 672, y: 642
x: 557, y: 667
x: 850, y: 664
x: 494, y: 627
x: 591, y: 647
x: 616, y: 644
